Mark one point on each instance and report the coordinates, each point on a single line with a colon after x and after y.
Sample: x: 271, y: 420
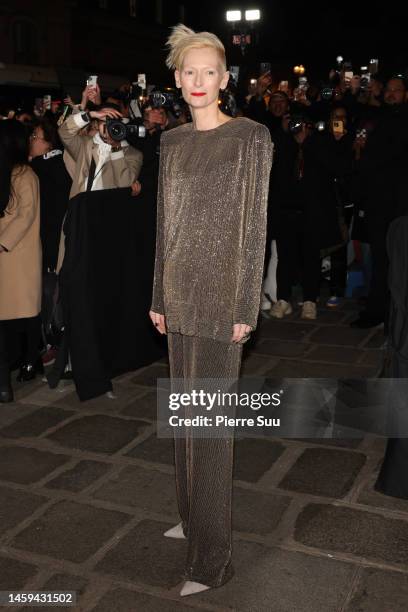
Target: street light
x: 252, y: 15
x: 234, y: 15
x: 242, y: 37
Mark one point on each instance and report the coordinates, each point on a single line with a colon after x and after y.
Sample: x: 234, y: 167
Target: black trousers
x: 338, y: 263
x: 298, y: 258
x: 378, y: 291
x: 4, y: 369
x: 27, y: 333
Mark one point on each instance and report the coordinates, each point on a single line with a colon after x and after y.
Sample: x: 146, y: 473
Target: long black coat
x: 55, y: 185
x: 324, y: 160
x: 382, y: 169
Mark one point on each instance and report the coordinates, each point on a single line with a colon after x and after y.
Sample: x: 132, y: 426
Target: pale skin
x: 202, y: 72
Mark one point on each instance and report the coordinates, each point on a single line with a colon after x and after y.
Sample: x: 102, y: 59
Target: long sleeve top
x: 211, y: 227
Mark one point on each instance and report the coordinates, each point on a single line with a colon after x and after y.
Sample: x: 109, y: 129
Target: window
x: 24, y: 42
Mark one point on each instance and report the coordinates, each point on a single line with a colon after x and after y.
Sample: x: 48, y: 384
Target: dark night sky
x: 314, y: 33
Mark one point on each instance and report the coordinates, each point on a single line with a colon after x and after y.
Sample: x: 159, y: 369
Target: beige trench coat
x: 20, y: 266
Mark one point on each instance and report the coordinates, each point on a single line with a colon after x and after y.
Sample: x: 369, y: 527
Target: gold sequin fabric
x: 204, y: 466
x: 211, y: 227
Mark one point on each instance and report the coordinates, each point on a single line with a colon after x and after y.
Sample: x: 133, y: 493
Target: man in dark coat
x: 381, y: 169
x: 302, y: 209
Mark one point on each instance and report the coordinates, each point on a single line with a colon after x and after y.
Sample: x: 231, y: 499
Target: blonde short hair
x: 182, y: 39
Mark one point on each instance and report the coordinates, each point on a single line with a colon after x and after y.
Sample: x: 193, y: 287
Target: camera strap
x: 91, y: 176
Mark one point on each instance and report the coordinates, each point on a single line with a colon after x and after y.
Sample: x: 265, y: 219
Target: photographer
x: 303, y: 214
x: 278, y: 105
x: 381, y: 168
x: 100, y: 161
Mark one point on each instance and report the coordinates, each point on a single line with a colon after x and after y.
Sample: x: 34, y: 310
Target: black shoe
x: 28, y: 371
x: 365, y: 323
x: 6, y: 395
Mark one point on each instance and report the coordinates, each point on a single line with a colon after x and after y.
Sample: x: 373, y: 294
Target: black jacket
x: 55, y: 185
x: 308, y: 186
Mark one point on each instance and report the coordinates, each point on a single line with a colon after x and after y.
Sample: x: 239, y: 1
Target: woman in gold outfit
x: 211, y: 225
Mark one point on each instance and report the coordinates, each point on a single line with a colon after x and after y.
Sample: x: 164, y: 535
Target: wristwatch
x: 116, y: 149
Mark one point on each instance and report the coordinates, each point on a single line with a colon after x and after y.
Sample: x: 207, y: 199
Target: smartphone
x: 348, y: 75
x: 46, y: 102
x: 264, y: 68
x: 141, y: 81
x: 338, y: 127
x: 92, y: 80
x: 303, y: 84
x: 283, y: 86
x: 373, y: 66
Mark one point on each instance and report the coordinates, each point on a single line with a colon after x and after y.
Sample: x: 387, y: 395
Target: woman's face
x: 38, y: 145
x: 201, y: 77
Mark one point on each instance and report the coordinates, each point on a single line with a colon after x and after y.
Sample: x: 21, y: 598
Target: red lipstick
x: 195, y: 93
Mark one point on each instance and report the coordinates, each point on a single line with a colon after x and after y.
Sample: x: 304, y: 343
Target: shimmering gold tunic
x: 211, y: 227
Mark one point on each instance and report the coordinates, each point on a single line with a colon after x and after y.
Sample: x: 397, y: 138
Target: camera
x: 169, y: 99
x: 327, y: 93
x: 120, y: 130
x: 295, y: 124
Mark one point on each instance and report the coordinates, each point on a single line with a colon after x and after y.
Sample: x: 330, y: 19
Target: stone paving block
x: 149, y: 490
x: 70, y: 531
x: 14, y: 574
x: 280, y: 348
x: 377, y: 340
x: 284, y: 330
x: 42, y: 395
x: 337, y: 528
x: 273, y: 580
x: 80, y: 476
x: 371, y: 497
x: 144, y: 406
x: 36, y: 423
x: 157, y: 450
x: 342, y: 336
x: 327, y: 316
x: 27, y: 465
x: 145, y: 555
x: 320, y: 471
x: 302, y: 369
x: 148, y: 378
x: 15, y: 506
x: 334, y: 354
x: 124, y: 392
x: 380, y: 591
x: 123, y: 600
x: 373, y: 358
x: 10, y: 413
x: 337, y: 442
x: 254, y: 457
x: 61, y: 583
x: 98, y: 433
x: 256, y: 512
x: 254, y: 364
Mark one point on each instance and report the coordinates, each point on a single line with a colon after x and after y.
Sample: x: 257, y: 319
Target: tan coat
x: 20, y: 266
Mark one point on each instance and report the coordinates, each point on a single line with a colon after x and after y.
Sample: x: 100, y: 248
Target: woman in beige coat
x: 20, y: 250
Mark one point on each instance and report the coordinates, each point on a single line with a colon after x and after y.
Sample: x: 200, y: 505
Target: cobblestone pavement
x: 87, y: 491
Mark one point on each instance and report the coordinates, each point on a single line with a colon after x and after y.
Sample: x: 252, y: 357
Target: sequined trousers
x: 204, y: 465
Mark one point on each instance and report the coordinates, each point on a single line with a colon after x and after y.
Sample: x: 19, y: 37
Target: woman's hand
x: 159, y: 321
x: 136, y: 188
x: 240, y: 330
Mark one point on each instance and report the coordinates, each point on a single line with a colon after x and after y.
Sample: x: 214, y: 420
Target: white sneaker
x: 281, y: 309
x: 308, y: 310
x: 265, y: 303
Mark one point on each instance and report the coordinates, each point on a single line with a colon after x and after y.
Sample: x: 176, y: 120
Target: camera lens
x: 116, y: 129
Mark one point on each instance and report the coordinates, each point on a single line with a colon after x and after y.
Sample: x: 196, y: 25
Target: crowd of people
x: 338, y: 175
